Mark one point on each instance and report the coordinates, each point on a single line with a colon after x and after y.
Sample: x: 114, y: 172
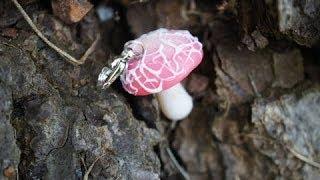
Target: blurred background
x: 256, y: 93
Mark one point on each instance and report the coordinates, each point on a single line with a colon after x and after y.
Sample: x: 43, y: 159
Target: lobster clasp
x: 109, y: 74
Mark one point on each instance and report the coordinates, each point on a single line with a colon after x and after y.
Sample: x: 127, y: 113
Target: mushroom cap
x: 165, y: 58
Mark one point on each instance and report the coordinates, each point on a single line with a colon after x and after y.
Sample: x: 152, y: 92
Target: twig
x: 295, y: 153
x: 64, y: 54
x: 173, y: 125
x: 86, y: 175
x: 178, y: 166
x: 228, y: 106
x: 8, y: 44
x: 303, y: 158
x: 84, y: 164
x: 254, y: 87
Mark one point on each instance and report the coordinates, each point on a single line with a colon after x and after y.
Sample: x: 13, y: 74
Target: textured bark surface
x: 256, y: 94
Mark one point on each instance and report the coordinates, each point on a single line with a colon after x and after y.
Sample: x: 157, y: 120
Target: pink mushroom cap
x: 166, y: 58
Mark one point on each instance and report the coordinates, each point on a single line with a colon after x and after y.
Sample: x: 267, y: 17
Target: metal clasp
x: 109, y: 74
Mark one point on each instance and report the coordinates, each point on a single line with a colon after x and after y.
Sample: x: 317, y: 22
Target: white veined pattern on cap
x: 168, y: 55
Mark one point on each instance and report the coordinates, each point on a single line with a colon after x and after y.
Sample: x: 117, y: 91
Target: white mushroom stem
x: 175, y: 102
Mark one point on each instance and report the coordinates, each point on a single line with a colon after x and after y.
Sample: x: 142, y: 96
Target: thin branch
x: 295, y: 153
x: 64, y: 54
x: 84, y: 164
x: 228, y: 106
x: 304, y: 158
x: 178, y: 166
x: 86, y: 175
x: 254, y: 87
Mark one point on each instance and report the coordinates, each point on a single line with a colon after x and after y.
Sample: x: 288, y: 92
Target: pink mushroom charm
x: 168, y: 57
x: 162, y: 58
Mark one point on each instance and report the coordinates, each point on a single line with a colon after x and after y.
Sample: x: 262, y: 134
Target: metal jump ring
x: 109, y: 74
x: 135, y: 42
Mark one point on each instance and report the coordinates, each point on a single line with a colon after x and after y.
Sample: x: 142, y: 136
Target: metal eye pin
x: 110, y: 73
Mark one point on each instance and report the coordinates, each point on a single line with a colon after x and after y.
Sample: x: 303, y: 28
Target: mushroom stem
x: 175, y: 102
